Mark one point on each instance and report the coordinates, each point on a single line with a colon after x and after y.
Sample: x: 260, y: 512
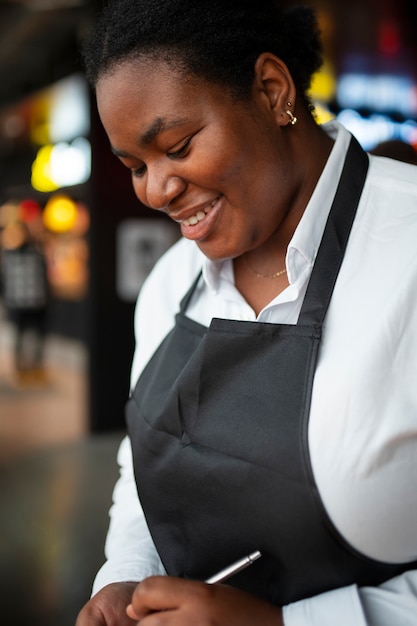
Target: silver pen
x: 234, y: 568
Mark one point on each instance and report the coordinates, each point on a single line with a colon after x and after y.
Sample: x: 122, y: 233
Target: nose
x: 158, y: 187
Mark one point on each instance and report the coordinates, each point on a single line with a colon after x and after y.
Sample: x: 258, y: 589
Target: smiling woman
x: 250, y: 426
x: 209, y: 169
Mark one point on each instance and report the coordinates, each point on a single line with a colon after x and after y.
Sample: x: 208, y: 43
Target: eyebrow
x: 158, y: 126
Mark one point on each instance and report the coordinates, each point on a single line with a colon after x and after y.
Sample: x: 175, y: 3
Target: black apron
x: 218, y: 423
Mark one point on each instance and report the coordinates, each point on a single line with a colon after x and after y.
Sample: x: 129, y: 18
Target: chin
x: 216, y: 253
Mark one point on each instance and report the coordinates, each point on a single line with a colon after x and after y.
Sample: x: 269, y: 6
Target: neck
x: 309, y: 149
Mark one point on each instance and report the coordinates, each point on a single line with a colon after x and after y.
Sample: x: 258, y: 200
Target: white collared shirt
x: 363, y: 418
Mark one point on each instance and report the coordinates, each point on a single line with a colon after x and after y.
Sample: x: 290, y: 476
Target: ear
x: 275, y: 87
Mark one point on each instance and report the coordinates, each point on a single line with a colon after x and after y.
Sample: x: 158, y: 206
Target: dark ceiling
x: 40, y: 39
x: 39, y: 43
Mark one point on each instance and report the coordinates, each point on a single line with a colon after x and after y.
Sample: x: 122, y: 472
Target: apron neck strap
x: 186, y: 299
x: 335, y: 237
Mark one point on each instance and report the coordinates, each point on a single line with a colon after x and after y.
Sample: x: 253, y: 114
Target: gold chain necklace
x: 258, y: 274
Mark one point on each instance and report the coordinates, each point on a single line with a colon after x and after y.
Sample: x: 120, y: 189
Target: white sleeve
x: 392, y: 604
x: 130, y: 552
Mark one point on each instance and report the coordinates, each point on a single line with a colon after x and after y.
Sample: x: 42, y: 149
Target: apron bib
x: 219, y: 429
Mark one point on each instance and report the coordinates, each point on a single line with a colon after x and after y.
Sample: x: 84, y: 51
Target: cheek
x: 225, y: 166
x: 242, y: 162
x: 234, y: 175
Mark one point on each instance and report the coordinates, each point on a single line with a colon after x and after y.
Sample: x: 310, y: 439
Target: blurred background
x: 75, y: 247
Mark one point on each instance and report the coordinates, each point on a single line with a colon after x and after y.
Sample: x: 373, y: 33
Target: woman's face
x: 216, y: 166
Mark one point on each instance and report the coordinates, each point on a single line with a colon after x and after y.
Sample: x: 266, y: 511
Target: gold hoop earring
x: 293, y: 119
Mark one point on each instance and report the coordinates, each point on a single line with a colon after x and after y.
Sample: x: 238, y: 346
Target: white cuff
x: 109, y: 573
x: 341, y: 607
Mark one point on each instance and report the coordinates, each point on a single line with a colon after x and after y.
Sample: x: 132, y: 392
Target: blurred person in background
x: 25, y: 295
x: 274, y: 404
x: 396, y: 149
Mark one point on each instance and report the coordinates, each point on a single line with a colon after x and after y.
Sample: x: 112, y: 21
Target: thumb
x: 130, y: 611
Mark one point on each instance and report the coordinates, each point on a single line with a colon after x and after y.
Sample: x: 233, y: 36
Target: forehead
x: 149, y: 88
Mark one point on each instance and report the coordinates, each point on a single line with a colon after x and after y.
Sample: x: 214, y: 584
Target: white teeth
x: 200, y: 215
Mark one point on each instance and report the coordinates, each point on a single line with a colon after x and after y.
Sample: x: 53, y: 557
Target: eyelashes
x: 139, y: 171
x: 182, y: 152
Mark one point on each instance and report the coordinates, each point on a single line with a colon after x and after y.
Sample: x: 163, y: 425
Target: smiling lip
x: 199, y: 225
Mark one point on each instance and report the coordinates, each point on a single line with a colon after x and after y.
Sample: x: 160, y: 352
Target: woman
x: 273, y: 400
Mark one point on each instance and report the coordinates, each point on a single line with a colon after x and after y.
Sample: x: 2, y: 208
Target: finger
x: 108, y: 607
x: 130, y: 612
x: 162, y: 593
x: 89, y: 617
x: 175, y: 602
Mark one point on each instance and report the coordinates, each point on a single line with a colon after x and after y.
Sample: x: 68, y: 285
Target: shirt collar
x: 303, y: 247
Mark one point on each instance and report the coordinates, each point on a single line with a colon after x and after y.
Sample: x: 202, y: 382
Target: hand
x: 108, y: 606
x: 167, y: 601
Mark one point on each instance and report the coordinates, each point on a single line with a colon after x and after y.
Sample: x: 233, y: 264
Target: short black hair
x: 217, y: 40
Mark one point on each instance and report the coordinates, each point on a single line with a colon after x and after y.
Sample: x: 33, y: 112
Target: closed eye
x: 138, y: 171
x: 176, y: 154
x: 182, y: 151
